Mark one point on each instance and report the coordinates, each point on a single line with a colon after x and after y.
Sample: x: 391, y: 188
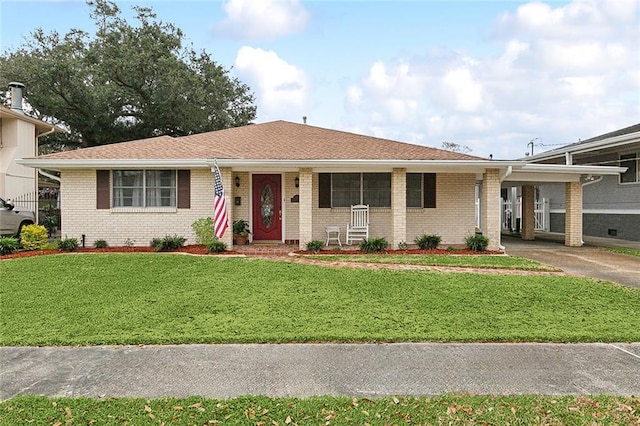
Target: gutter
x: 49, y: 175
x: 253, y: 164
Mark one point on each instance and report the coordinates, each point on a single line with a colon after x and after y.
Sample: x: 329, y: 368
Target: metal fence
x: 46, y: 202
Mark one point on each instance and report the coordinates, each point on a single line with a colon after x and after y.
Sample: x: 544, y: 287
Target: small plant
x: 100, y: 244
x: 451, y: 249
x: 68, y: 244
x: 8, y: 245
x: 216, y: 247
x: 129, y: 242
x: 402, y: 245
x: 314, y: 246
x: 337, y: 248
x: 241, y: 227
x: 476, y: 242
x: 168, y: 242
x: 372, y: 245
x: 33, y: 237
x: 203, y: 228
x: 428, y: 242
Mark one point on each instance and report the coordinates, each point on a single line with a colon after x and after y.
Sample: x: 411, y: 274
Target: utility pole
x: 532, y: 144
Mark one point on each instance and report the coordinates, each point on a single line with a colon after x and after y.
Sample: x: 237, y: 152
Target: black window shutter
x: 184, y: 189
x: 324, y: 189
x: 429, y: 191
x: 103, y: 189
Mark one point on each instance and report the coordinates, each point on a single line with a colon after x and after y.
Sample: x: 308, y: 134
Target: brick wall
x: 117, y: 226
x: 453, y: 219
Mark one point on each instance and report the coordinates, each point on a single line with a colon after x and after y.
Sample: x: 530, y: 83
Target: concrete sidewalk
x: 301, y: 370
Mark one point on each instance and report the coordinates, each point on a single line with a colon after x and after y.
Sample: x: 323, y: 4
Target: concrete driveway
x: 585, y: 261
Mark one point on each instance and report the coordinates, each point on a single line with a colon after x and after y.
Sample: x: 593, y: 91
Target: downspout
x: 503, y: 176
x: 49, y: 175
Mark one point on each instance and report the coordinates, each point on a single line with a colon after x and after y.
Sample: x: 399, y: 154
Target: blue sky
x: 489, y: 75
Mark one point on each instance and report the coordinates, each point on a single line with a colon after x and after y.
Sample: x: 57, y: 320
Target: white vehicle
x: 12, y: 219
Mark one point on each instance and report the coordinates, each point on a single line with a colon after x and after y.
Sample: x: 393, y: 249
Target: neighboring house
x: 19, y: 135
x: 303, y: 178
x: 611, y: 204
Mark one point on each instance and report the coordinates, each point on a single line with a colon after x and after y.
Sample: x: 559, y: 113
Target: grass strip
x: 622, y: 250
x: 251, y: 410
x: 154, y: 298
x: 469, y: 261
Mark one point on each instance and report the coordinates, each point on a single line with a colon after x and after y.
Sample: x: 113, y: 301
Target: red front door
x: 267, y: 207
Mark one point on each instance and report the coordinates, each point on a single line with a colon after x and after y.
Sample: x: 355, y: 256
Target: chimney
x: 16, y: 95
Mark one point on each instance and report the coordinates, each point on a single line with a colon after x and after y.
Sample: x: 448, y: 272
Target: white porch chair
x: 358, y: 229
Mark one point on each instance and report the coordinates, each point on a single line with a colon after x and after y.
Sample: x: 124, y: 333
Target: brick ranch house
x: 135, y: 191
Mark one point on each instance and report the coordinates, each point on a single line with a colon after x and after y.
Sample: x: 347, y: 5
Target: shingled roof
x: 277, y: 140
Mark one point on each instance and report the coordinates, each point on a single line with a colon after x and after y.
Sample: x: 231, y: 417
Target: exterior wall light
x: 237, y: 181
x: 296, y: 181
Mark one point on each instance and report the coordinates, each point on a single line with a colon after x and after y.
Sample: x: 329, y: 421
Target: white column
x: 305, y: 207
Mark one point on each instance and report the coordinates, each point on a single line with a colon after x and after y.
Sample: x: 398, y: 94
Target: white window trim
x: 637, y: 160
x: 151, y: 209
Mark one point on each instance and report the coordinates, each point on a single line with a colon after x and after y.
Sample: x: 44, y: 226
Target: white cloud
x: 463, y: 91
x: 262, y: 19
x: 562, y: 73
x: 279, y: 85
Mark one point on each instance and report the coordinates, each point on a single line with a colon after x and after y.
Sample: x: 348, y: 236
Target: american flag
x: 220, y: 220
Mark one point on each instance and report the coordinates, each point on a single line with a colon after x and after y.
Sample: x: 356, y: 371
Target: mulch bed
x: 408, y: 251
x: 201, y: 250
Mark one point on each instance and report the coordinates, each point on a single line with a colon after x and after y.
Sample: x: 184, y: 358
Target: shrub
x: 452, y: 249
x: 476, y: 242
x: 402, y: 245
x: 68, y: 244
x: 33, y: 237
x: 8, y: 245
x: 371, y: 245
x: 315, y: 246
x: 216, y: 246
x: 203, y: 228
x: 100, y: 244
x: 428, y: 242
x: 168, y: 242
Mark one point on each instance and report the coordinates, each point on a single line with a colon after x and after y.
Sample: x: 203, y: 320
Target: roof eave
x: 41, y: 126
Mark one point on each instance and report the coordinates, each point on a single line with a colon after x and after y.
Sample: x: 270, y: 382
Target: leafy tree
x: 454, y: 147
x: 124, y: 82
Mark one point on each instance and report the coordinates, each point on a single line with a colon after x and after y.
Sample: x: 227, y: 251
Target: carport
x: 527, y: 176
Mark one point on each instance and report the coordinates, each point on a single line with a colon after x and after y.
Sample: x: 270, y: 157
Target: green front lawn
x: 90, y: 299
x: 468, y: 261
x: 446, y: 409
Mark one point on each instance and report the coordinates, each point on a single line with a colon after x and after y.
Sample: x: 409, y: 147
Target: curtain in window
x: 128, y: 188
x: 161, y: 188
